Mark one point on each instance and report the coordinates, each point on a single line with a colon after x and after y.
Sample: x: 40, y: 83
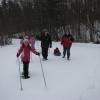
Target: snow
x: 77, y: 79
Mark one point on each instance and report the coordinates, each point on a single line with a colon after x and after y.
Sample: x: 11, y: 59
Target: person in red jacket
x: 25, y: 50
x: 67, y: 43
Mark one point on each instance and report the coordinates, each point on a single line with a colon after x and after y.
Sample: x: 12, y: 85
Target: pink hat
x: 26, y: 37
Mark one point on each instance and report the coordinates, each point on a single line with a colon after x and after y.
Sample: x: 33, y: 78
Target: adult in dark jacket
x: 66, y: 41
x: 45, y: 44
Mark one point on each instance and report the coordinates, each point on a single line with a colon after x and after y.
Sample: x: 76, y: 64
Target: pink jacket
x: 25, y: 50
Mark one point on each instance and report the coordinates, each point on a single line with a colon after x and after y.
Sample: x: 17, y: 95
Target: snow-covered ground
x: 77, y: 79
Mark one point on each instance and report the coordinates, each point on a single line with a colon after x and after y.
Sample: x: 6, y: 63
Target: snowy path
x: 77, y: 79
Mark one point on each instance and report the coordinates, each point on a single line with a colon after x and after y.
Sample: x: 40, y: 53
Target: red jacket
x: 25, y: 50
x: 66, y: 42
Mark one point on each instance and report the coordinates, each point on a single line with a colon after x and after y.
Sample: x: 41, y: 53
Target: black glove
x: 50, y: 46
x: 17, y: 55
x: 37, y: 53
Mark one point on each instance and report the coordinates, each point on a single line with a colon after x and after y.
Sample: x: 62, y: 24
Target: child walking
x: 25, y: 49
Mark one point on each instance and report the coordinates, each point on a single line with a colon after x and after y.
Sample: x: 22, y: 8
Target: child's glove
x: 17, y: 55
x: 37, y: 53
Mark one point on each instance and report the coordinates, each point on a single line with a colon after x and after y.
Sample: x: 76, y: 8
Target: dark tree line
x: 57, y: 16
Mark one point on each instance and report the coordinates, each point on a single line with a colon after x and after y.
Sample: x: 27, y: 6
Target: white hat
x: 26, y: 41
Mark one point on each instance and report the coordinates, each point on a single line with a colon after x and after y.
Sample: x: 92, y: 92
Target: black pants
x: 68, y: 52
x: 45, y: 52
x: 25, y: 68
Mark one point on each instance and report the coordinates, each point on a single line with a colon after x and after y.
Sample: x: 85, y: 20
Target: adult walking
x: 66, y: 41
x: 45, y: 44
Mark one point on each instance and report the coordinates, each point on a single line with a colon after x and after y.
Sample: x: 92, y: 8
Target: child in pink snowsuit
x: 25, y: 49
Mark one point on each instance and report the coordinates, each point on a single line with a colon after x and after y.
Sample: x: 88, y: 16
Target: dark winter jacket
x: 57, y: 52
x: 46, y: 41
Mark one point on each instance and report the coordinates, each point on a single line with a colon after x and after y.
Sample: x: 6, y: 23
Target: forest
x: 81, y: 18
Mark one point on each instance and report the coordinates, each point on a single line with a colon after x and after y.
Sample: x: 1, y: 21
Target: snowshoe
x: 44, y: 59
x: 63, y: 57
x: 25, y: 77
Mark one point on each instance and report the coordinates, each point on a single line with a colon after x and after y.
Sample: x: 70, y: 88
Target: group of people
x: 46, y: 43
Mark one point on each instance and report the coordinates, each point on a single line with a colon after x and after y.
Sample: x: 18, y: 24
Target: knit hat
x: 26, y: 37
x: 26, y: 41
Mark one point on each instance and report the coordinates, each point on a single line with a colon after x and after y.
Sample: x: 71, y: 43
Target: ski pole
x: 42, y: 70
x: 31, y: 57
x: 21, y: 88
x: 43, y: 73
